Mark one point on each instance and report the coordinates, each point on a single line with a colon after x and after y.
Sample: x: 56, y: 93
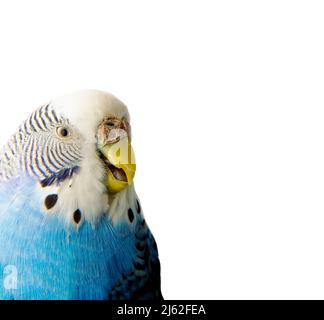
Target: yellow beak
x: 122, y: 159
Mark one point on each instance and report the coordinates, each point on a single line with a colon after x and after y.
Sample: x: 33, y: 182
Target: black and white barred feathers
x: 41, y: 148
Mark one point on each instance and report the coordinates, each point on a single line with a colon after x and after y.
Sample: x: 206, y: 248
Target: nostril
x: 110, y: 124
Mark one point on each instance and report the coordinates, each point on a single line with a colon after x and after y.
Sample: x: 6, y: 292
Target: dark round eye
x: 63, y: 132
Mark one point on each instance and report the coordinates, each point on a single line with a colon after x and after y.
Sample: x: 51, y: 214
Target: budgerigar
x: 71, y: 224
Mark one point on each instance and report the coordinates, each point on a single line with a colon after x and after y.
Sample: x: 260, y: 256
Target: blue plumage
x: 60, y: 176
x: 71, y: 225
x: 59, y: 262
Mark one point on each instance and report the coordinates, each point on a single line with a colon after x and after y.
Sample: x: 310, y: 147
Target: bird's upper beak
x: 118, y: 154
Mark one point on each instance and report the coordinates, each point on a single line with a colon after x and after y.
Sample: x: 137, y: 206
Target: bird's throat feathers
x: 82, y: 197
x: 86, y: 192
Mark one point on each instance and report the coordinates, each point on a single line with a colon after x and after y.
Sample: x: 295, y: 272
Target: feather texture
x: 56, y: 262
x: 60, y: 229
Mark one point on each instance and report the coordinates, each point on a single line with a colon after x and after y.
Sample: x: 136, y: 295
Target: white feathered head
x: 78, y: 147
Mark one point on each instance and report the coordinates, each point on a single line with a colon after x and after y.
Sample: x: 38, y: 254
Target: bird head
x: 77, y: 147
x: 100, y: 124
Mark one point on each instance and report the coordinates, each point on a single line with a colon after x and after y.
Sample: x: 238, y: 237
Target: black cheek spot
x: 50, y: 201
x: 77, y: 216
x: 130, y: 215
x: 138, y: 207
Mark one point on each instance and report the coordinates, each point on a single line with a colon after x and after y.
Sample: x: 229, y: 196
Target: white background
x: 227, y: 108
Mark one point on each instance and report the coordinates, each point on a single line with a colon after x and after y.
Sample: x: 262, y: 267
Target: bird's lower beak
x: 120, y: 160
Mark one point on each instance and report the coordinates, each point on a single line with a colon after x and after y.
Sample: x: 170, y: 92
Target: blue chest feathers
x: 43, y: 258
